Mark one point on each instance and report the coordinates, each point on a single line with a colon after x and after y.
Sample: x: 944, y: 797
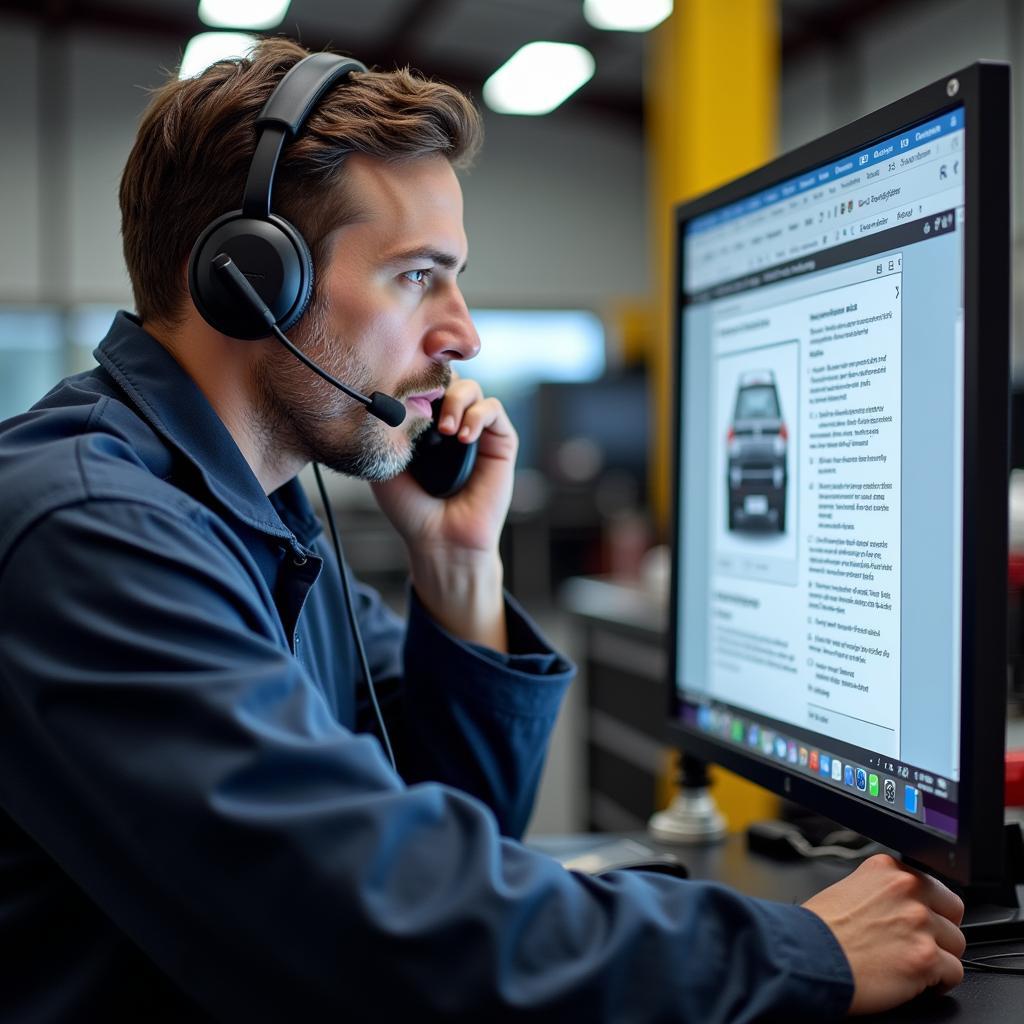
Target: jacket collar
x: 173, y: 405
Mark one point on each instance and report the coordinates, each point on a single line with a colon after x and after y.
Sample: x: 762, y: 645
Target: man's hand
x: 898, y: 929
x: 453, y: 542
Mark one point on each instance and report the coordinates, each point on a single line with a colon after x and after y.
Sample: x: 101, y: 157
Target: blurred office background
x: 565, y: 213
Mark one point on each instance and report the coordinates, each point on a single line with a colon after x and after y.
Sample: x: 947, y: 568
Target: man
x: 195, y: 824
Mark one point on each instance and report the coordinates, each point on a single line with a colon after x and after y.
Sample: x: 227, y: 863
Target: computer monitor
x: 574, y: 412
x: 838, y: 612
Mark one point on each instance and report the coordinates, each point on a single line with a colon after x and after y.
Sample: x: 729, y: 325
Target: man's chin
x: 380, y: 457
x: 417, y: 428
x: 400, y: 459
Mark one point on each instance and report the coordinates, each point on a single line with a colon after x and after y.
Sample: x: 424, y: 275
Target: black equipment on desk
x: 838, y: 613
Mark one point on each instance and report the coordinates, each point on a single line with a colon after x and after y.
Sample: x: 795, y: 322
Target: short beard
x: 299, y: 414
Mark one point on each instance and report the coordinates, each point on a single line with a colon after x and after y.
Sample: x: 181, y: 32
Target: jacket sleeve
x: 462, y: 714
x: 186, y: 774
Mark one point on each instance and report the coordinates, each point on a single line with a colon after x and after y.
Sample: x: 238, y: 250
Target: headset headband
x: 281, y: 118
x: 269, y: 253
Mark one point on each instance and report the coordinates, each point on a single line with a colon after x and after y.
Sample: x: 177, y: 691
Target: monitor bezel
x: 976, y: 856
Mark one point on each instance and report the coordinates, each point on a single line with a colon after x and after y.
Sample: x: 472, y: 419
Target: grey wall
x: 554, y: 209
x: 19, y: 165
x: 73, y: 127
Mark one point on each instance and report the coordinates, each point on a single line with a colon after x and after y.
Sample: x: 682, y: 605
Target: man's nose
x: 454, y: 335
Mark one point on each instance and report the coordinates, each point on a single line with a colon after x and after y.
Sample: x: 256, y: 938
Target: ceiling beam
x: 836, y: 25
x: 410, y: 25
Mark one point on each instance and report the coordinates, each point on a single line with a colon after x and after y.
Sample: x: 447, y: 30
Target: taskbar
x: 903, y: 789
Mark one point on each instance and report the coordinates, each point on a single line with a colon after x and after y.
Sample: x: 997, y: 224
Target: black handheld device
x: 441, y: 463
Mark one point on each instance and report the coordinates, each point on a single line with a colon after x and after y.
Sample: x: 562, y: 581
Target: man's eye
x: 418, y: 277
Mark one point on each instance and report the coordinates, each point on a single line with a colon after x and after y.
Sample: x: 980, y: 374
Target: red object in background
x: 1015, y: 778
x: 1016, y: 575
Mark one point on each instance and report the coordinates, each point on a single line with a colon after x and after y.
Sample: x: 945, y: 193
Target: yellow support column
x: 712, y: 112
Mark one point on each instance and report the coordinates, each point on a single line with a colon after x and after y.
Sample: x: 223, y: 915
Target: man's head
x: 369, y: 182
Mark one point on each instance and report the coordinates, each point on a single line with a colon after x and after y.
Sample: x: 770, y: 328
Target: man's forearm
x: 463, y: 592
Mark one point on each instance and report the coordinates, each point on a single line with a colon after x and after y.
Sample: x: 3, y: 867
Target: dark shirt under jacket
x: 195, y: 821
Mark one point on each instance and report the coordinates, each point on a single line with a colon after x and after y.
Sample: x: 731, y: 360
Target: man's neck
x: 221, y: 368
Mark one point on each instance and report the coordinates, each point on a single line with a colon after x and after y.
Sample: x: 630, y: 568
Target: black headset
x: 250, y: 272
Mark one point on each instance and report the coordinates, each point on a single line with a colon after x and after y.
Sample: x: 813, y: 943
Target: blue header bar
x: 897, y: 145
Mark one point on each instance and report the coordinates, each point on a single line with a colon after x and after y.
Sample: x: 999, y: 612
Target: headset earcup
x: 272, y: 255
x: 305, y: 292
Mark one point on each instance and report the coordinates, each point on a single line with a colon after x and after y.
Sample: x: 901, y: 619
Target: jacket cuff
x: 532, y: 677
x: 818, y: 971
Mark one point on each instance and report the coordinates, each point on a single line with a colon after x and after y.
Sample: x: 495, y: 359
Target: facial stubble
x: 300, y: 415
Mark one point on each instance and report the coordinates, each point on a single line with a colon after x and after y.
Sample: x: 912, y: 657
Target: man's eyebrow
x: 438, y: 256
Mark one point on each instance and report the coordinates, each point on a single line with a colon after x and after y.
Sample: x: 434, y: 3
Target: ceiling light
x: 254, y: 14
x: 209, y: 47
x: 626, y: 15
x: 537, y: 78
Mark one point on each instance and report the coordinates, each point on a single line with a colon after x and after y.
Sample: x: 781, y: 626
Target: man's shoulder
x: 81, y: 444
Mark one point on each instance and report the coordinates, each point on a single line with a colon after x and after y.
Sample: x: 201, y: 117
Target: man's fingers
x: 924, y: 888
x: 488, y: 414
x: 940, y: 898
x: 948, y: 935
x: 460, y: 395
x: 949, y: 972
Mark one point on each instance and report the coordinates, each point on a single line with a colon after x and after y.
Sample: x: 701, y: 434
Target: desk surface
x: 980, y: 999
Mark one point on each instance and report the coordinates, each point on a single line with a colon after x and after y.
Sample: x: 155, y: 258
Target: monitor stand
x: 993, y: 912
x: 693, y: 817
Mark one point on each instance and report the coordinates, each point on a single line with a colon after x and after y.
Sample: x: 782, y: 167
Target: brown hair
x: 191, y: 157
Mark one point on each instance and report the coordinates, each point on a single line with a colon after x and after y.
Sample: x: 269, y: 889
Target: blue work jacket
x: 196, y: 821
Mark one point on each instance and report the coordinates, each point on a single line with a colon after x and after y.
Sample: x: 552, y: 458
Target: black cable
x: 342, y: 570
x: 384, y: 407
x: 303, y: 358
x: 980, y: 963
x: 783, y: 840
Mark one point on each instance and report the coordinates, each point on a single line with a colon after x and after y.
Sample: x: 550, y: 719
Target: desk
x: 980, y: 999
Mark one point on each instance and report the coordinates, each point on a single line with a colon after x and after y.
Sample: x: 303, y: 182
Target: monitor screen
x: 818, y: 593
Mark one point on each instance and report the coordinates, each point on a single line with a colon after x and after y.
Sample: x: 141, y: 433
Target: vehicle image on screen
x: 756, y: 445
